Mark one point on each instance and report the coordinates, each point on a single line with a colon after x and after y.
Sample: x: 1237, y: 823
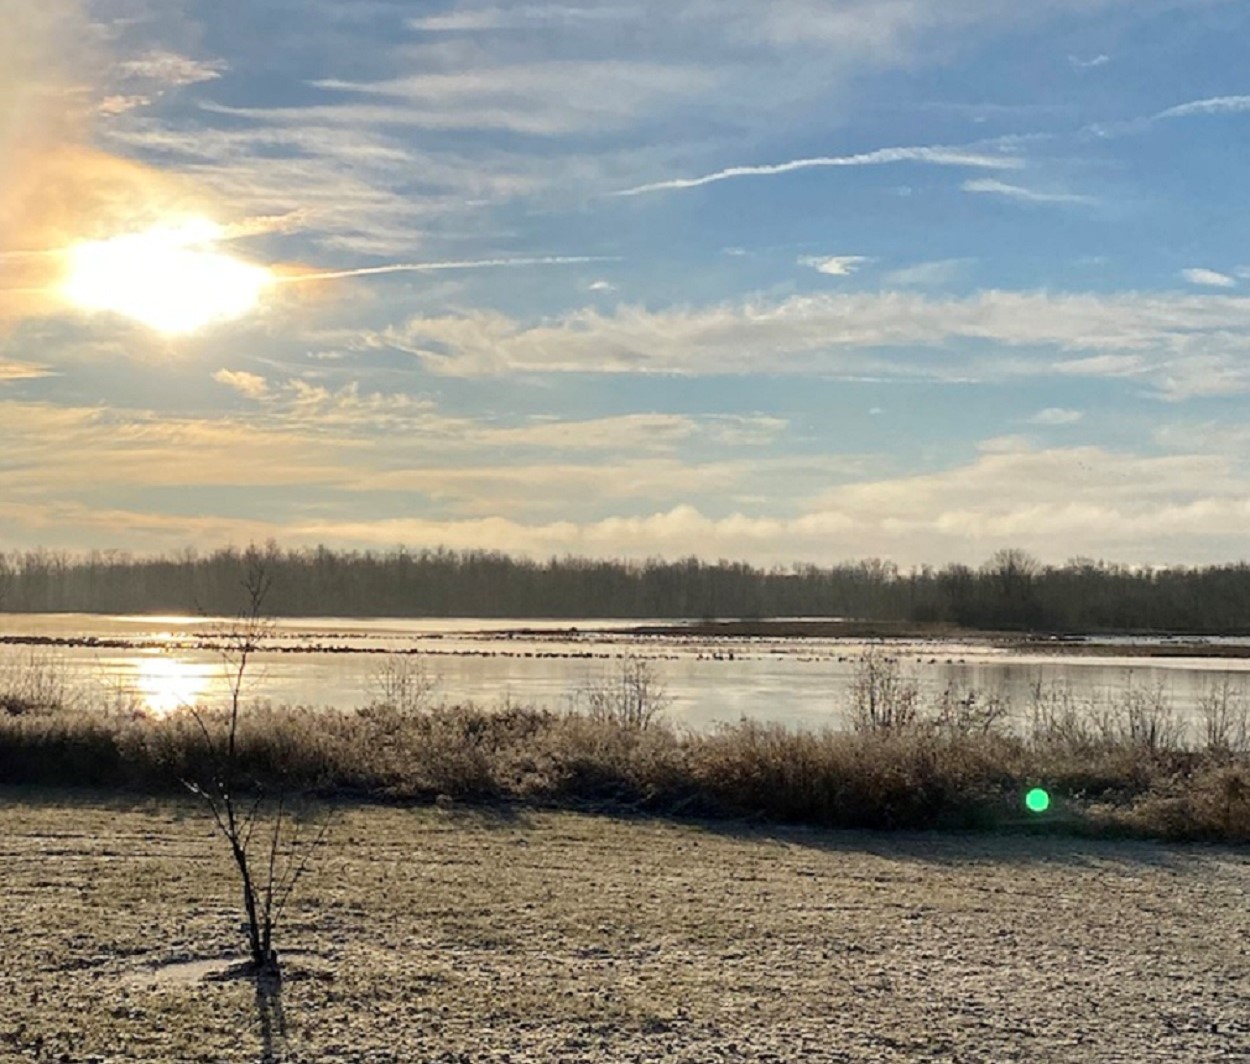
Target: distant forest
x: 1010, y: 591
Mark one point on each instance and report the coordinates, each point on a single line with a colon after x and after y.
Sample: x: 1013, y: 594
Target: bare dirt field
x: 460, y: 935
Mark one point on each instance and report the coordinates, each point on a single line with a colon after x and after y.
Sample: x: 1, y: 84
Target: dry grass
x: 1113, y: 767
x: 1106, y: 777
x: 450, y: 935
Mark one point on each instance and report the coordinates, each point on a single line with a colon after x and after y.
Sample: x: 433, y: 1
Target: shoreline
x: 1137, y: 644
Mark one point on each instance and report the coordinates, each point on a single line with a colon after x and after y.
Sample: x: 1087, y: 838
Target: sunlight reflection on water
x: 162, y: 664
x: 164, y: 684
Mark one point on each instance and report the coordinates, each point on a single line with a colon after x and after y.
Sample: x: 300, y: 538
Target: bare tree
x: 882, y: 697
x: 402, y: 684
x: 6, y: 580
x: 633, y: 695
x: 1224, y: 716
x: 253, y: 816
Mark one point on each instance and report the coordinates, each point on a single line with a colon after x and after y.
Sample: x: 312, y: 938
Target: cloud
x: 55, y: 451
x: 1214, y: 105
x: 169, y: 69
x: 1101, y: 366
x: 1210, y: 278
x: 1056, y: 415
x: 1088, y: 64
x: 585, y: 491
x: 12, y: 370
x: 347, y: 186
x: 142, y: 80
x: 1182, y: 507
x: 933, y: 156
x: 935, y: 274
x: 834, y: 265
x: 735, y: 430
x: 56, y: 187
x: 619, y: 433
x: 1090, y: 499
x: 1182, y: 344
x: 520, y: 17
x: 246, y: 384
x: 119, y: 104
x: 601, y: 286
x: 547, y: 99
x: 301, y: 404
x: 1053, y: 503
x: 310, y: 449
x: 618, y: 93
x: 989, y: 186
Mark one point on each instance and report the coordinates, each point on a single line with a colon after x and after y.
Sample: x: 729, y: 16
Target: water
x: 166, y: 662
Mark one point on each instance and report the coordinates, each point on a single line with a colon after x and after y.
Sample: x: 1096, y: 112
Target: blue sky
x: 782, y: 281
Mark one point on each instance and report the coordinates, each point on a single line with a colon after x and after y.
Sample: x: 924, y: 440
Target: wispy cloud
x: 298, y: 277
x: 834, y: 265
x: 170, y: 69
x: 935, y: 274
x: 474, y: 20
x: 934, y: 156
x: 1214, y: 105
x: 549, y: 98
x: 1102, y: 59
x: 1055, y: 416
x: 142, y: 80
x: 250, y: 385
x: 1199, y: 275
x: 11, y: 370
x: 325, y: 443
x: 1183, y: 345
x: 1055, y: 503
x: 1020, y: 194
x: 1180, y: 506
x: 299, y: 404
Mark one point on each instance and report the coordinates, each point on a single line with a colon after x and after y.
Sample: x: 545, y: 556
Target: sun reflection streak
x: 167, y: 684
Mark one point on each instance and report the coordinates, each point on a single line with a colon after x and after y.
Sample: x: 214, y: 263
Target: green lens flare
x: 1037, y: 800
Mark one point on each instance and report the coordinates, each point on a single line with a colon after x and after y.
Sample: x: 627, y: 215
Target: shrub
x: 882, y: 697
x: 946, y: 768
x: 633, y: 695
x: 33, y: 683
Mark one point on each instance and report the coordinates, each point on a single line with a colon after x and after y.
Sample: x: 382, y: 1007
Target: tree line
x: 1010, y: 591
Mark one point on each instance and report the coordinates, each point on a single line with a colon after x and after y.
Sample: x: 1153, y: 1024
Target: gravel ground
x: 457, y: 935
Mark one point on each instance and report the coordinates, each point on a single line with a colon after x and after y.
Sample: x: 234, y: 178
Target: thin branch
x: 250, y: 820
x: 302, y: 867
x: 274, y: 840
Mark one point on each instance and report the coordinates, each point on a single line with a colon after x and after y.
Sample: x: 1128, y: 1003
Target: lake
x: 165, y: 662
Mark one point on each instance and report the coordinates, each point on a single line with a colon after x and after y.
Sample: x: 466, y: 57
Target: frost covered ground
x: 461, y: 935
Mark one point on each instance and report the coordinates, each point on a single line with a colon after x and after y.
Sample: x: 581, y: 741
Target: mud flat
x: 441, y: 934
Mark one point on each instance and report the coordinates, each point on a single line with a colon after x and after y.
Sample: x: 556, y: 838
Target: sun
x: 171, y: 278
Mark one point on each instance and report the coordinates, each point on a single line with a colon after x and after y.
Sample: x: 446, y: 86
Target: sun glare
x: 166, y: 684
x: 170, y: 278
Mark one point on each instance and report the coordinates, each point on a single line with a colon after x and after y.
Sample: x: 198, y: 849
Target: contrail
x: 1214, y: 105
x: 363, y: 271
x: 937, y: 156
x: 430, y: 267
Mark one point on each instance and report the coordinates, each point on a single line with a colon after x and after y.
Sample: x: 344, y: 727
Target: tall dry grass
x: 962, y: 761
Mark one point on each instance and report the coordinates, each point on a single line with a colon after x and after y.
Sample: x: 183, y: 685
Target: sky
x: 795, y: 281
